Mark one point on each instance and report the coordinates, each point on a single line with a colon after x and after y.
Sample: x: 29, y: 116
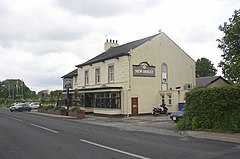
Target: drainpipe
x: 129, y: 81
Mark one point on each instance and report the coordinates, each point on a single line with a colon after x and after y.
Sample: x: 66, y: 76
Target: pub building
x: 132, y: 78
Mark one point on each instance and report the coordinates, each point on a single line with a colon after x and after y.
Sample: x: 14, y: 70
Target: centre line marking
x: 44, y: 128
x: 113, y: 149
x: 15, y: 119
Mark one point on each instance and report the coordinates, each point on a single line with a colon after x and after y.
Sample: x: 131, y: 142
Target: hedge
x: 212, y: 109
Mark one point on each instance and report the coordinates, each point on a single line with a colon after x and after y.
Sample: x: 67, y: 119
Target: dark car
x: 20, y: 107
x: 175, y: 116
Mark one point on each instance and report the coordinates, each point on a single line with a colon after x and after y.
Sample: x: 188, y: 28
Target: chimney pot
x: 110, y: 43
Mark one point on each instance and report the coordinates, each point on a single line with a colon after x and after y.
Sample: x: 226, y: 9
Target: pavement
x: 147, y: 123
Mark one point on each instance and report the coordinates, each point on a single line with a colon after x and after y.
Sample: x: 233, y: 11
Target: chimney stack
x: 110, y: 43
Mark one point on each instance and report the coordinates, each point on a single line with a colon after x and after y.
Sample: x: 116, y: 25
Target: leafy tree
x: 55, y: 95
x: 204, y: 68
x: 230, y: 45
x: 15, y: 89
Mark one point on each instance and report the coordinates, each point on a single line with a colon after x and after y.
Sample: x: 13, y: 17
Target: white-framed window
x: 163, y: 98
x: 169, y: 99
x: 97, y: 75
x: 164, y: 77
x: 110, y: 73
x: 75, y: 80
x: 86, y: 77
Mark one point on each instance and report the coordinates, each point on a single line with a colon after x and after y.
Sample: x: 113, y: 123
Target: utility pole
x: 8, y: 90
x: 22, y: 88
x: 17, y: 88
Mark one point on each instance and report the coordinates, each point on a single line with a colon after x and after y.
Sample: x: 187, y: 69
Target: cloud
x: 3, y: 10
x: 40, y: 41
x: 40, y: 30
x: 200, y: 35
x: 39, y: 71
x: 106, y: 8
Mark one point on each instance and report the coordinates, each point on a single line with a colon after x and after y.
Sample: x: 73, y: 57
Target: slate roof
x: 205, y: 81
x: 71, y: 74
x: 117, y: 51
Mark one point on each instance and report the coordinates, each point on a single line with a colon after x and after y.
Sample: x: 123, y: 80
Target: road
x: 26, y: 135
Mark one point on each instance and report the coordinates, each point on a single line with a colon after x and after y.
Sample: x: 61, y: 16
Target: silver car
x: 20, y: 107
x: 35, y: 105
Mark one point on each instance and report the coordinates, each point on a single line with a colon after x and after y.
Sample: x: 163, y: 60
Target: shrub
x: 59, y: 108
x: 214, y: 109
x: 46, y: 107
x: 77, y: 109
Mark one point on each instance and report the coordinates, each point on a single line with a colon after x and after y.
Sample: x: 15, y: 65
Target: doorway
x: 134, y: 106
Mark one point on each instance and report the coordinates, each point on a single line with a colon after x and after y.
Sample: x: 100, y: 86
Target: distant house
x: 132, y: 78
x: 211, y: 81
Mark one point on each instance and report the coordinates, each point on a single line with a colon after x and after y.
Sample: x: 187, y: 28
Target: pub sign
x: 144, y: 70
x: 67, y: 83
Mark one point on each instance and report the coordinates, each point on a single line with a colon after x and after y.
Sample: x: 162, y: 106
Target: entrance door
x: 134, y: 106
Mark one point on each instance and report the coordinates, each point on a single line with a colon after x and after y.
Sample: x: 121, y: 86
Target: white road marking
x: 44, y: 128
x: 113, y: 149
x: 15, y: 119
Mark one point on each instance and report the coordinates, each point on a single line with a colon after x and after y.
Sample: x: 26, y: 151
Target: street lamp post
x: 67, y: 100
x: 68, y: 85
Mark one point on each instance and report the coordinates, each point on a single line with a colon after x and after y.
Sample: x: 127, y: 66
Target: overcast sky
x: 42, y: 40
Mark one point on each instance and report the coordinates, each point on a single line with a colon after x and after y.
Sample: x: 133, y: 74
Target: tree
x: 55, y: 95
x: 204, y: 68
x: 230, y: 45
x: 16, y: 89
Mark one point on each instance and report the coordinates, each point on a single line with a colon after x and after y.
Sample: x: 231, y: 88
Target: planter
x: 52, y: 111
x: 63, y: 112
x: 77, y: 114
x: 59, y: 112
x: 42, y: 110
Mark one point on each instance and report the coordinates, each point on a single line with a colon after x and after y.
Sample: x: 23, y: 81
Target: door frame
x: 134, y: 106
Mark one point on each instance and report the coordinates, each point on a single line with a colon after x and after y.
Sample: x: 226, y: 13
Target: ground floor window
x: 108, y: 100
x: 169, y: 99
x: 86, y: 99
x: 163, y: 98
x: 101, y: 99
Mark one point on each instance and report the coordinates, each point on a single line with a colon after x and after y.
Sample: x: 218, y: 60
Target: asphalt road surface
x: 25, y: 135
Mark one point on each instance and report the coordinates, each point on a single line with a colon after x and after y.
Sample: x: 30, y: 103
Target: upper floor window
x: 97, y: 75
x: 75, y: 80
x: 164, y: 77
x: 110, y: 73
x: 86, y: 74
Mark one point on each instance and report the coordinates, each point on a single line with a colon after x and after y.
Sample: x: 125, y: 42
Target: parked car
x: 176, y: 116
x: 34, y: 105
x: 20, y: 107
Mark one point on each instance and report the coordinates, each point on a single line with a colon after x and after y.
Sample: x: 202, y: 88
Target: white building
x: 131, y: 79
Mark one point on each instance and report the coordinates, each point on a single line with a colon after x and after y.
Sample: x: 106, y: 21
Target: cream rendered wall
x: 181, y: 70
x: 75, y: 84
x: 177, y: 97
x: 120, y: 73
x: 121, y: 79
